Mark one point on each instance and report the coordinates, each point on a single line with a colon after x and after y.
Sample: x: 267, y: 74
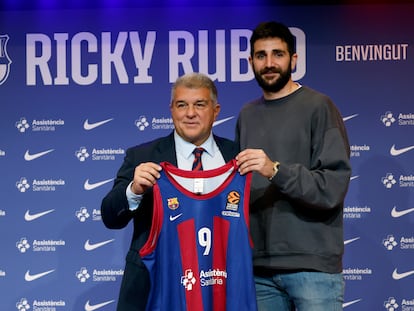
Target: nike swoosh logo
x: 89, y: 186
x: 351, y: 240
x: 172, y: 218
x: 354, y: 177
x: 34, y: 156
x: 347, y: 304
x: 89, y: 307
x: 30, y: 217
x: 31, y: 277
x: 399, y: 276
x: 218, y: 122
x: 396, y: 214
x: 90, y: 126
x: 90, y: 247
x: 349, y: 117
x: 397, y: 152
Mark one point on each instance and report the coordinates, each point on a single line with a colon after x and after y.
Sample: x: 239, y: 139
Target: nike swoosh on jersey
x: 90, y: 247
x: 399, y: 276
x: 354, y: 177
x: 347, y: 304
x: 34, y: 156
x: 172, y: 218
x: 396, y: 214
x: 31, y: 277
x: 92, y: 186
x: 90, y: 126
x: 218, y: 122
x: 89, y: 307
x: 351, y: 240
x: 30, y: 217
x: 397, y: 152
x: 349, y: 117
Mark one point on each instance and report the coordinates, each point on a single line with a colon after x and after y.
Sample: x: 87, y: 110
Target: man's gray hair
x: 195, y: 80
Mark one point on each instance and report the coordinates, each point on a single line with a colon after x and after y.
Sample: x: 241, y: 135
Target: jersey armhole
x: 157, y: 217
x: 246, y: 201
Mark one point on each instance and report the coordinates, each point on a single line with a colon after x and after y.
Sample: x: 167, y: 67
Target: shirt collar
x: 186, y: 148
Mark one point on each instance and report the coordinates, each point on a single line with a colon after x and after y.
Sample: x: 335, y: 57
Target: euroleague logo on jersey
x: 232, y: 205
x: 233, y: 197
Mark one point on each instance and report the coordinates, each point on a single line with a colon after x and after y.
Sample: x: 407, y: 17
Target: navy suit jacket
x: 116, y: 214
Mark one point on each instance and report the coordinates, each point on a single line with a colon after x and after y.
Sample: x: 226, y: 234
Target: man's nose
x: 269, y: 61
x: 191, y: 110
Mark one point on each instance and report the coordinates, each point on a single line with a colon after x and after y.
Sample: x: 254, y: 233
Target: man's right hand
x: 145, y: 176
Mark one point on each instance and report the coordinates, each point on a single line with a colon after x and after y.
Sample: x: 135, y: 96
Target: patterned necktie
x: 197, y: 165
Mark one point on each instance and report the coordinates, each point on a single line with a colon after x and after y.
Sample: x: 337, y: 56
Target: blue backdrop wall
x: 79, y: 86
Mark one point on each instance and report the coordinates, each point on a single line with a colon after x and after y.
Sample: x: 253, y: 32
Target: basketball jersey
x: 199, y: 251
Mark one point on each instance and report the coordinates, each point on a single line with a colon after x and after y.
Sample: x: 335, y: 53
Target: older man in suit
x: 194, y: 108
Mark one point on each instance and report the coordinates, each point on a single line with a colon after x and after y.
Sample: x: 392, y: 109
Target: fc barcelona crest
x: 5, y: 60
x: 173, y: 203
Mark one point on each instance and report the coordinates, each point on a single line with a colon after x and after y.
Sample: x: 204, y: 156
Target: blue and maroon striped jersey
x: 199, y: 251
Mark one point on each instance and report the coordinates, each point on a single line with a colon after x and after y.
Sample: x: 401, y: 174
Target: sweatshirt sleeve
x: 322, y: 185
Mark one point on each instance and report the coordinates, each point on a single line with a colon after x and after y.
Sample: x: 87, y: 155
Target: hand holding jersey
x: 145, y: 176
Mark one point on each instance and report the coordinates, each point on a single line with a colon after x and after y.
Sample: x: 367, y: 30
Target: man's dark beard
x: 278, y: 84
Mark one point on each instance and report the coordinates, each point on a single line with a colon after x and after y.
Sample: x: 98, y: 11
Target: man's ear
x: 293, y: 61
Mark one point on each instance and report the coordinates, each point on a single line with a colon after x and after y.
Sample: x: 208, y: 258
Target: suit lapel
x: 165, y: 150
x: 228, y: 150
